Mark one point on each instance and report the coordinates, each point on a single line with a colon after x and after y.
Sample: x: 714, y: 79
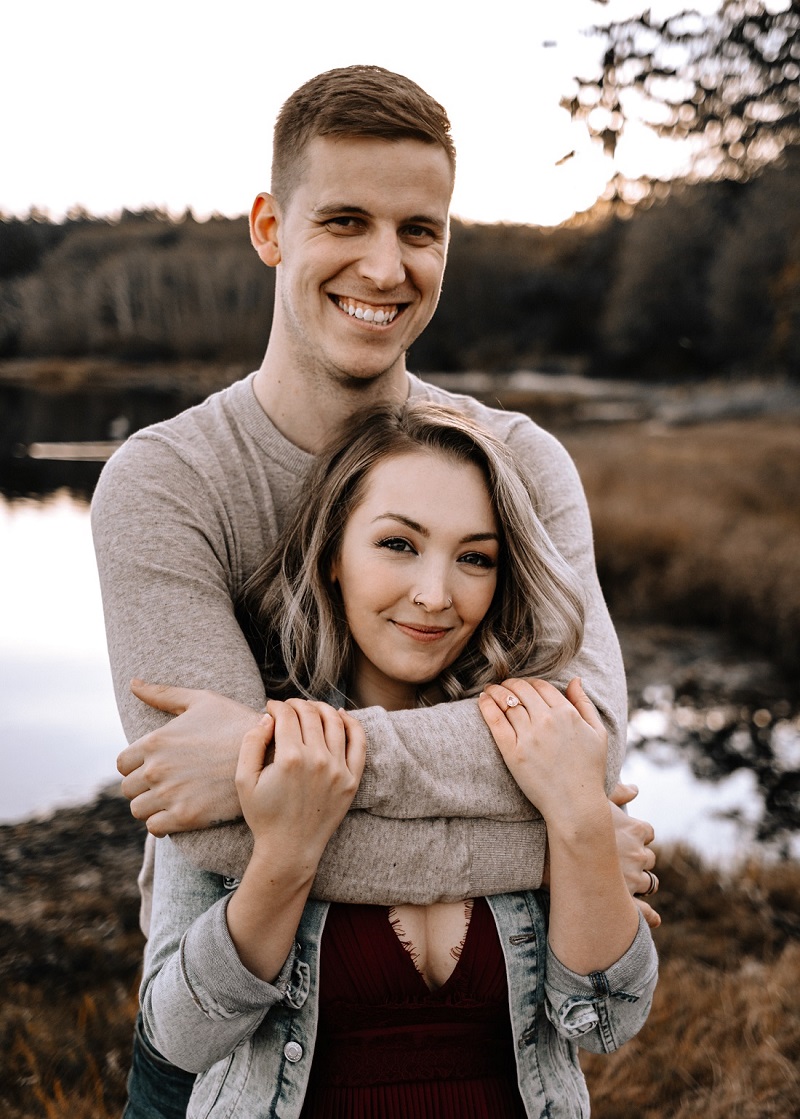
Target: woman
x: 416, y: 570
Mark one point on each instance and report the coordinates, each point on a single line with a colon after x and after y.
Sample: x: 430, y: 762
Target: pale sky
x: 171, y: 103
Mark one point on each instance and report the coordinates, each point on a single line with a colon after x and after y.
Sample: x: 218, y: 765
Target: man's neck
x: 309, y: 411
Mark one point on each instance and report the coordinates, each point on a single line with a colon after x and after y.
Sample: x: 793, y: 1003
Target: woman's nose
x: 432, y: 599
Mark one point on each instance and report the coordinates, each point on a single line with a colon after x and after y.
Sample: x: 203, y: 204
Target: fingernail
x: 266, y: 717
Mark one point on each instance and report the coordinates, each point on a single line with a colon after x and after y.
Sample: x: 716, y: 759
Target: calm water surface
x: 703, y: 775
x: 59, y: 730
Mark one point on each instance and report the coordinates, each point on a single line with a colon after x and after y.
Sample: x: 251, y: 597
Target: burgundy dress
x: 389, y: 1048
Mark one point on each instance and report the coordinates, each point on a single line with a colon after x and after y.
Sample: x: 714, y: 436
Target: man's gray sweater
x: 185, y: 511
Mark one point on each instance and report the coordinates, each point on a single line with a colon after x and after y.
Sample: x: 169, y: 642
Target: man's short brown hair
x: 363, y: 101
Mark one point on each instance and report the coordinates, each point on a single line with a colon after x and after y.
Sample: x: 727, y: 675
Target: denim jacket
x: 252, y: 1042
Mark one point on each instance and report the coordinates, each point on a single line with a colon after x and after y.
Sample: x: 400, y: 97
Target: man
x: 356, y: 226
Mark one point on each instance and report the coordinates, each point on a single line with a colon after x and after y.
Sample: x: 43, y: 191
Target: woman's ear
x: 264, y: 222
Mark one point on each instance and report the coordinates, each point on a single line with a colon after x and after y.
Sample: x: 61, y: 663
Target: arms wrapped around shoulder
x: 473, y: 855
x: 174, y: 540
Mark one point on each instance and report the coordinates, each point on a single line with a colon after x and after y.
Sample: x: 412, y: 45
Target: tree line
x: 701, y: 280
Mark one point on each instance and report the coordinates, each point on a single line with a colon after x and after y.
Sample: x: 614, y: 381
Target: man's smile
x: 379, y: 314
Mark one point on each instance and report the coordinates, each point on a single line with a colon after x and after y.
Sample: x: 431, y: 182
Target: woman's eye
x: 478, y: 559
x: 395, y: 544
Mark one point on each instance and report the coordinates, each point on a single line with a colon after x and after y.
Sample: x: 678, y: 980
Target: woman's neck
x: 369, y: 688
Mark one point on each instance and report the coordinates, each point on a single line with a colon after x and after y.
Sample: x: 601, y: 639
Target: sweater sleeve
x: 412, y: 862
x: 165, y: 566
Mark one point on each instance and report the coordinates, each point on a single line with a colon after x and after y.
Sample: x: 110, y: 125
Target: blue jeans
x: 156, y: 1089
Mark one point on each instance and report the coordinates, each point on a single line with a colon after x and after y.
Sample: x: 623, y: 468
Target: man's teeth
x: 368, y: 314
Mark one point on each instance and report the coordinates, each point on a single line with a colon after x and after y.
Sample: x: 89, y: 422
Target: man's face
x: 362, y: 243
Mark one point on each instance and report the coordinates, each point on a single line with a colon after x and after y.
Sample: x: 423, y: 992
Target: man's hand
x: 636, y: 856
x: 181, y: 777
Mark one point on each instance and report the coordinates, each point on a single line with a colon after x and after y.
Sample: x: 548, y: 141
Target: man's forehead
x: 354, y: 172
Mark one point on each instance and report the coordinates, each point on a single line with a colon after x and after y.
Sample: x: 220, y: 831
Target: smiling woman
x: 417, y: 571
x: 464, y: 584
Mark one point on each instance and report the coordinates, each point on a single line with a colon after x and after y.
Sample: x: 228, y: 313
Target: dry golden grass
x: 700, y: 524
x: 723, y: 1039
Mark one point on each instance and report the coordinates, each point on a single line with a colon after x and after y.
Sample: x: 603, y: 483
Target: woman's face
x: 417, y: 571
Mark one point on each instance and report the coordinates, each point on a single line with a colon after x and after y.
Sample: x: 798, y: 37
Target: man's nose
x: 382, y: 263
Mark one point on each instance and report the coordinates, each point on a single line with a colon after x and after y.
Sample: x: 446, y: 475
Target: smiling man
x: 359, y: 241
x: 356, y: 227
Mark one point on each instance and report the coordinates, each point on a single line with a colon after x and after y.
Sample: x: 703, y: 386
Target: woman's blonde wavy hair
x: 534, y: 625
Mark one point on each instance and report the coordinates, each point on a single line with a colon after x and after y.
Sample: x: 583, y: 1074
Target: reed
x: 723, y: 1038
x: 699, y: 524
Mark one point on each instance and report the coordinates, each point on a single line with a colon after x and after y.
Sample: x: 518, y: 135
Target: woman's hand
x: 293, y: 805
x: 555, y: 748
x: 554, y: 745
x: 296, y: 802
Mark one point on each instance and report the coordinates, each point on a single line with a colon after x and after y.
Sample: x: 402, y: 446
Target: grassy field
x: 700, y: 524
x: 722, y: 1042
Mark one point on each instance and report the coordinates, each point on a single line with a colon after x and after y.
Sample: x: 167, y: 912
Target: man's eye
x: 395, y: 544
x: 419, y: 233
x: 343, y: 224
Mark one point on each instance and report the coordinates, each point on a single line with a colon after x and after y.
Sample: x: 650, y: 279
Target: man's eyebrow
x: 339, y: 208
x: 330, y: 210
x: 471, y: 538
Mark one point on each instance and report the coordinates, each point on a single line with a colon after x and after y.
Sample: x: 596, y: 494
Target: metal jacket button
x: 292, y: 1051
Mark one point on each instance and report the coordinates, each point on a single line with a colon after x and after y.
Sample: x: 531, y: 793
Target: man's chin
x: 364, y: 374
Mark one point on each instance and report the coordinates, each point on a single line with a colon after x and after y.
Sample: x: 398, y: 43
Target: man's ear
x: 264, y: 222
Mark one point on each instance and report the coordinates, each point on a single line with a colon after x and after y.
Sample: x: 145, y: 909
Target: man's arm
x: 165, y: 572
x: 165, y: 567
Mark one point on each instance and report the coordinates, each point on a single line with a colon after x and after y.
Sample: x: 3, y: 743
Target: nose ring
x: 417, y: 602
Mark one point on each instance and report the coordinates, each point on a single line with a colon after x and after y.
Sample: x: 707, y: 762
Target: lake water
x: 59, y: 730
x: 703, y: 773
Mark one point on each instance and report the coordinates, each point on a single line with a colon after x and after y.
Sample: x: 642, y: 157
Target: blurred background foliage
x: 703, y: 281
x: 658, y: 281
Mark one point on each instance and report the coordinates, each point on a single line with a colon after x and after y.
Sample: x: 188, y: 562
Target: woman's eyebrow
x: 415, y: 526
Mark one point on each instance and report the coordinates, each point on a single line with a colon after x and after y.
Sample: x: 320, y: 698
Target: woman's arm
x: 555, y: 747
x: 217, y: 961
x: 292, y: 807
x: 198, y: 1000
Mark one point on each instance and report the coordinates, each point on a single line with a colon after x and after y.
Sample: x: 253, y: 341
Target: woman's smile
x: 422, y: 633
